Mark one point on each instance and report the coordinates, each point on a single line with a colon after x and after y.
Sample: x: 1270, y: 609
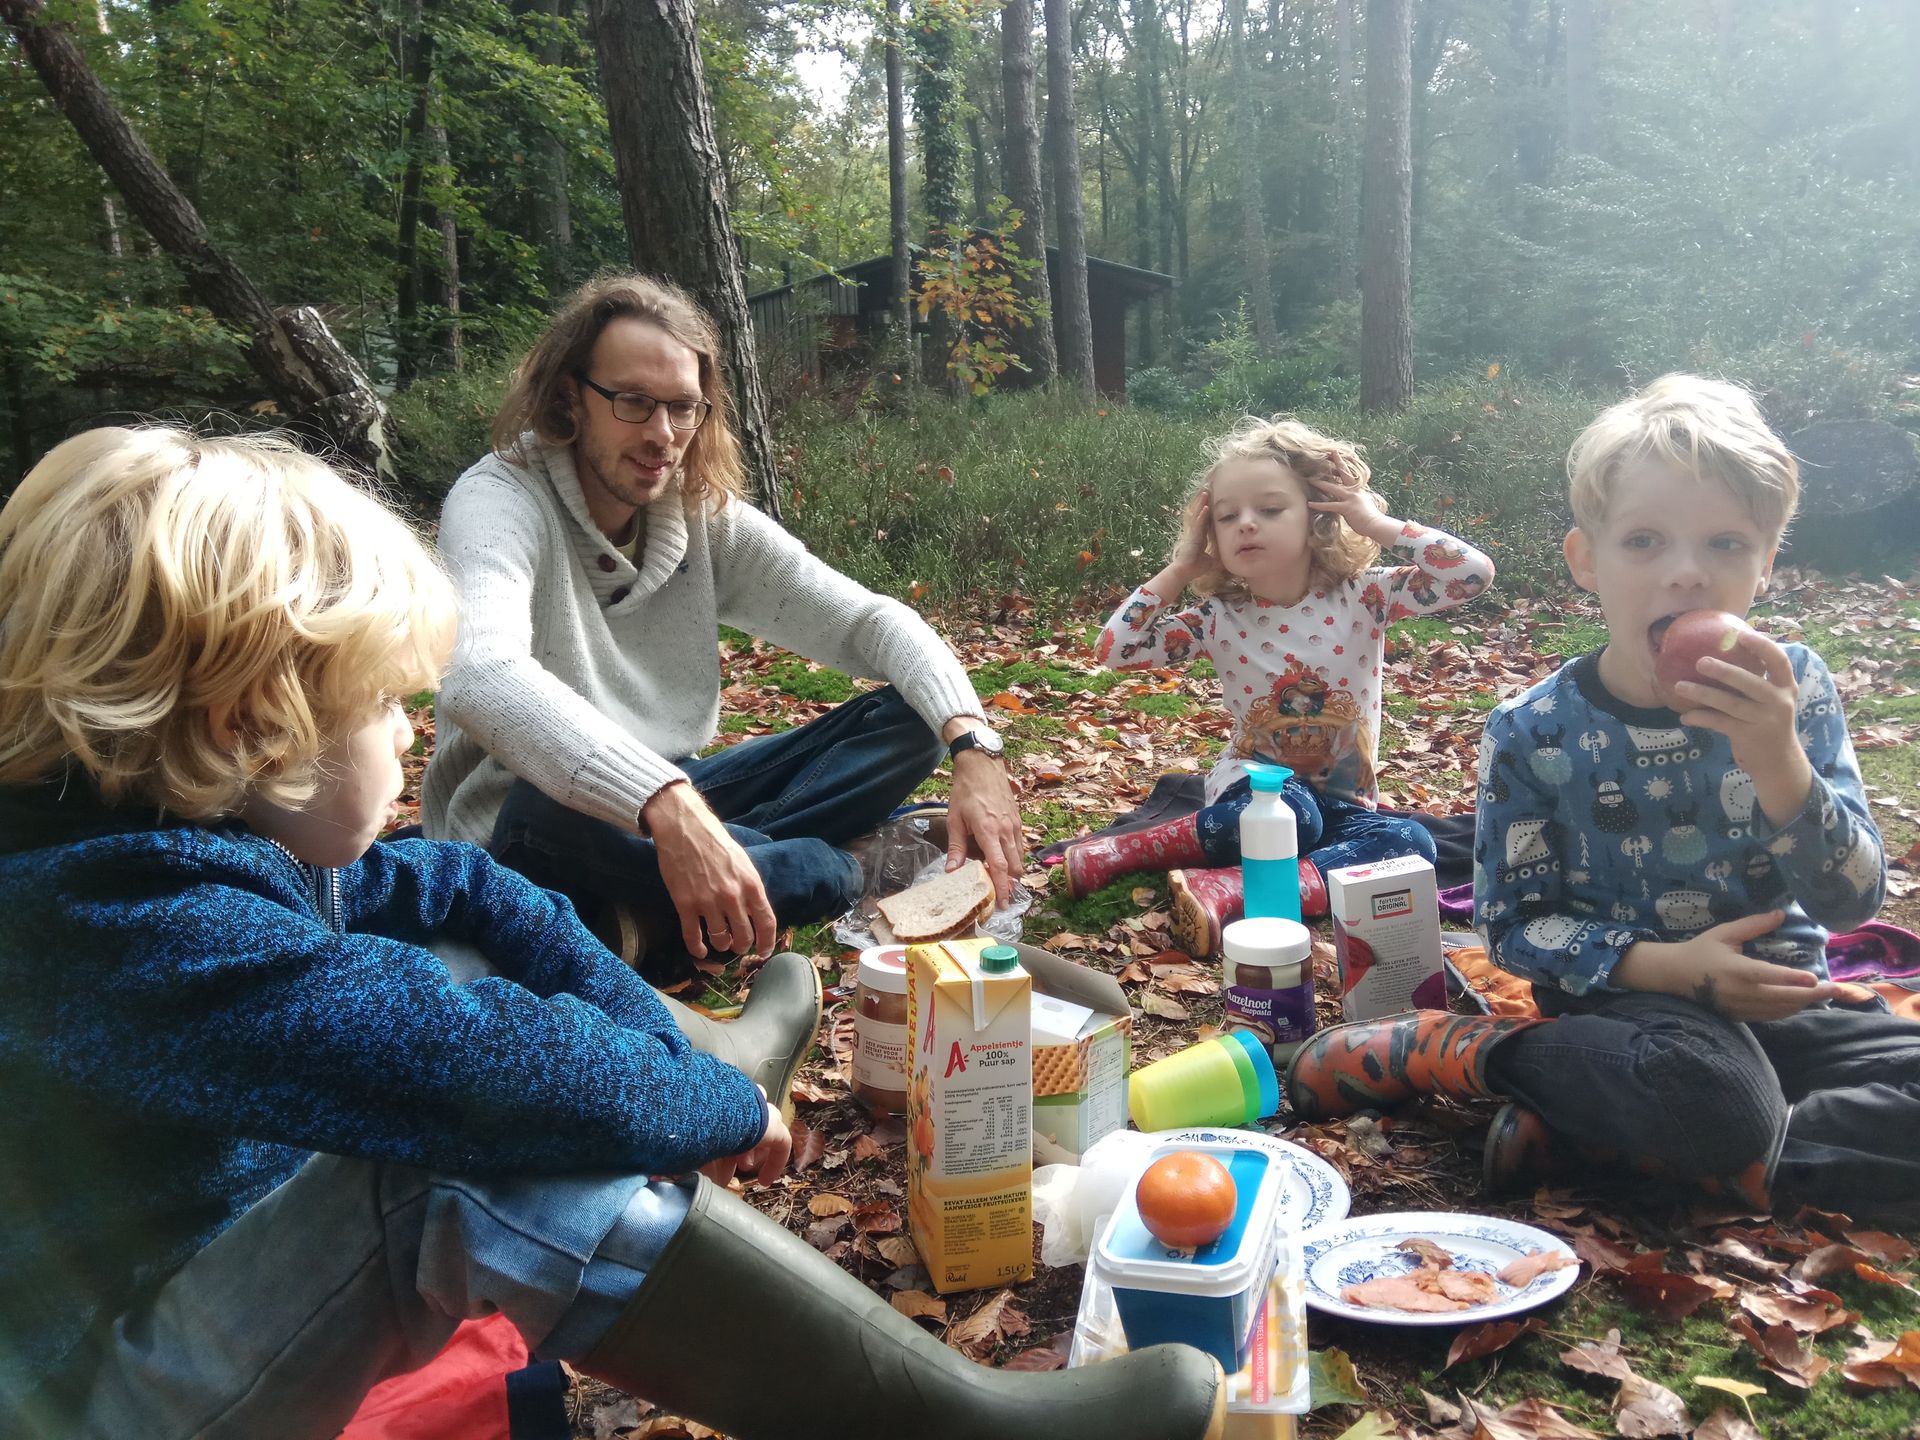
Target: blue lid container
x: 1210, y: 1297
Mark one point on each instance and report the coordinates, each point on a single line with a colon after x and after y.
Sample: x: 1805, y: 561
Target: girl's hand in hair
x: 1348, y: 498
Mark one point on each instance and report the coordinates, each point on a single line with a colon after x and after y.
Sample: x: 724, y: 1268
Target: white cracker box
x: 969, y: 1117
x: 1082, y: 1050
x: 1386, y: 931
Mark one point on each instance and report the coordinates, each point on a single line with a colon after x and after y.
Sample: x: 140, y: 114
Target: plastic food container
x: 880, y: 1030
x: 1208, y: 1298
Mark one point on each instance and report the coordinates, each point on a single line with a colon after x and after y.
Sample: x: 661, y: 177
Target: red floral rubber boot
x: 1205, y: 902
x: 1092, y: 864
x: 1375, y: 1064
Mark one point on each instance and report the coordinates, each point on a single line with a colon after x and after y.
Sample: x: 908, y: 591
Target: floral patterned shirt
x: 1302, y: 682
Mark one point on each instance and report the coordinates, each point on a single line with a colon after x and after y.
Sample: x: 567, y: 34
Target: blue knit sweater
x: 186, y: 1013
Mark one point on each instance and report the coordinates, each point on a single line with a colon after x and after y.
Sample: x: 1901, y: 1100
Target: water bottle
x: 1269, y: 847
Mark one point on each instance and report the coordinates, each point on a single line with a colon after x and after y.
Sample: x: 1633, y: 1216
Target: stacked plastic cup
x: 1224, y: 1080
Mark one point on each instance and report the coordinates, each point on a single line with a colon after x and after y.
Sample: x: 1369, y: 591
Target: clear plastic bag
x: 910, y: 848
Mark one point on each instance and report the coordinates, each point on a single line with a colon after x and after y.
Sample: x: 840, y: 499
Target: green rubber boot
x: 775, y: 1029
x: 743, y: 1326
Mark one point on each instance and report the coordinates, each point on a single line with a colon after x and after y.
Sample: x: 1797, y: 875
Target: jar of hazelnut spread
x: 1269, y: 982
x: 880, y: 1030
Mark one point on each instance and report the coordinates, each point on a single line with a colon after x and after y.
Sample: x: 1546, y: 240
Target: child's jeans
x: 354, y: 1271
x: 1833, y: 1093
x: 789, y: 799
x: 1331, y: 832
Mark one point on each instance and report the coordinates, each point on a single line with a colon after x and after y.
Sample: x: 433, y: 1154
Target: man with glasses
x: 597, y: 549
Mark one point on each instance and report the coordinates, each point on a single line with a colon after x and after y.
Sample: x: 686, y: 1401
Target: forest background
x: 1597, y: 191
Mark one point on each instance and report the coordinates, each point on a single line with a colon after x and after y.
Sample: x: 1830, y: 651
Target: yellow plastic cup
x: 1200, y: 1085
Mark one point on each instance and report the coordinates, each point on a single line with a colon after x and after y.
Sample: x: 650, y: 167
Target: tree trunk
x: 936, y: 106
x: 1346, y: 190
x: 982, y: 181
x: 1024, y: 189
x: 305, y: 367
x: 673, y: 194
x: 1167, y: 197
x: 901, y: 240
x: 1258, y: 267
x: 410, y: 333
x: 1582, y: 39
x: 449, y: 337
x: 1063, y: 134
x: 553, y: 203
x: 1386, y: 212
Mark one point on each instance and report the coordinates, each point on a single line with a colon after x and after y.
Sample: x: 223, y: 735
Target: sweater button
x: 607, y: 563
x: 618, y: 595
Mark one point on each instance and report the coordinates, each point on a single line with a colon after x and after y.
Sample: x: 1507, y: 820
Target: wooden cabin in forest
x: 811, y: 329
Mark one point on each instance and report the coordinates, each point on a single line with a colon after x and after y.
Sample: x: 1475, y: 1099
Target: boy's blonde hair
x: 1709, y: 429
x: 1339, y: 553
x: 148, y: 575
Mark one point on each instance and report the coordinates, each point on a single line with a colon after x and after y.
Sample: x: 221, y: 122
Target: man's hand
x: 1755, y: 712
x: 1711, y: 970
x: 981, y: 813
x: 762, y: 1164
x: 712, y: 882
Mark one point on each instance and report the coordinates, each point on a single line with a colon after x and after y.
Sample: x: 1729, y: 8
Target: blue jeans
x: 354, y: 1271
x: 1331, y: 832
x: 790, y: 800
x: 1830, y: 1096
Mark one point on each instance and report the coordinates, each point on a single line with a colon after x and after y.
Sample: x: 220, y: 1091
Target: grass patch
x: 804, y: 681
x: 1570, y: 638
x: 1050, y: 674
x: 1097, y: 912
x: 1168, y: 706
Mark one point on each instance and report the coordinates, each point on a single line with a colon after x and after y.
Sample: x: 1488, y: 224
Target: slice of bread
x: 947, y: 906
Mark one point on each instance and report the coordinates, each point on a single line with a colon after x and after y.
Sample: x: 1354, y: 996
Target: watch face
x: 984, y: 739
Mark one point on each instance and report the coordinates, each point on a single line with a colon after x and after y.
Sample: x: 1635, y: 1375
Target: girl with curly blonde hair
x: 1280, y: 540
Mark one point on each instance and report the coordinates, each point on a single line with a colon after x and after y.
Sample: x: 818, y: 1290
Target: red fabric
x: 461, y: 1394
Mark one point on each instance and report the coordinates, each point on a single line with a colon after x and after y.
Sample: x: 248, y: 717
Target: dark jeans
x: 1835, y: 1092
x: 790, y: 800
x: 1331, y: 832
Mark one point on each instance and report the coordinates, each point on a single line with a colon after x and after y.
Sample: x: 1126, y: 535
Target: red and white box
x: 1386, y: 931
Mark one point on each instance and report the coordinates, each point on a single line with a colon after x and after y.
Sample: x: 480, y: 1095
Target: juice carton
x: 970, y: 1113
x: 1082, y: 1049
x: 1386, y: 931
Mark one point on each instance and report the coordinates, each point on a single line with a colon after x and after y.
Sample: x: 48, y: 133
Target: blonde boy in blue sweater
x: 261, y: 1149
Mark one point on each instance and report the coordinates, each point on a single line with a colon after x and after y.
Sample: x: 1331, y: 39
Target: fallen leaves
x: 1783, y: 1353
x: 1476, y: 1341
x: 1883, y: 1365
x: 1001, y: 1318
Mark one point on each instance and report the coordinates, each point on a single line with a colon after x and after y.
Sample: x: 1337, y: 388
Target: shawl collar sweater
x: 591, y: 676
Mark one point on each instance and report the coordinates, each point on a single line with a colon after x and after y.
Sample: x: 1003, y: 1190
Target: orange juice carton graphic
x: 1386, y: 932
x: 1082, y: 1050
x: 970, y: 1113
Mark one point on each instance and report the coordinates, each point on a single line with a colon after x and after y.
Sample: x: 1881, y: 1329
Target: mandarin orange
x: 1186, y: 1199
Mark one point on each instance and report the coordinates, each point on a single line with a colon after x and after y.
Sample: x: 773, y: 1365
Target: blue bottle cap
x: 1267, y: 779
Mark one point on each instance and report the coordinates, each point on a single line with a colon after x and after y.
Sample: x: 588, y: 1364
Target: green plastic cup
x: 1200, y: 1085
x: 1249, y: 1078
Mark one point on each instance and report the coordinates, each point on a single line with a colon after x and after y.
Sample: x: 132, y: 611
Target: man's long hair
x: 538, y: 394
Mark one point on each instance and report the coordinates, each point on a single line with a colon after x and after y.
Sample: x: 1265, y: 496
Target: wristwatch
x: 982, y: 737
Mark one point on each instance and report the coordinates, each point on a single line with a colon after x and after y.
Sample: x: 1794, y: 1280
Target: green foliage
x: 955, y: 505
x: 1157, y: 388
x: 972, y: 278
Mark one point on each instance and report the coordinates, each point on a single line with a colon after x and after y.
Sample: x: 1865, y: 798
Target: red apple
x: 1691, y: 637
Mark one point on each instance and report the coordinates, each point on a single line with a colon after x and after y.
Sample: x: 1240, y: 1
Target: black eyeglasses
x: 636, y: 409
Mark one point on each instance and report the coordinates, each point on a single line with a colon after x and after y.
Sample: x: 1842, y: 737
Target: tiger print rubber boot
x: 1204, y: 903
x: 1374, y: 1064
x: 1522, y: 1152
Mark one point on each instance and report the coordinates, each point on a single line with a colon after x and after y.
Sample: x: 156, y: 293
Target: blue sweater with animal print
x: 1602, y: 824
x: 186, y: 1013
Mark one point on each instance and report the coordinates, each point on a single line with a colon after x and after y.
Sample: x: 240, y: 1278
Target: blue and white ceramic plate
x: 1312, y: 1193
x: 1352, y: 1251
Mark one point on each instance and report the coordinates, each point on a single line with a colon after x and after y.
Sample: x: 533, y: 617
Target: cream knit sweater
x: 589, y: 677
